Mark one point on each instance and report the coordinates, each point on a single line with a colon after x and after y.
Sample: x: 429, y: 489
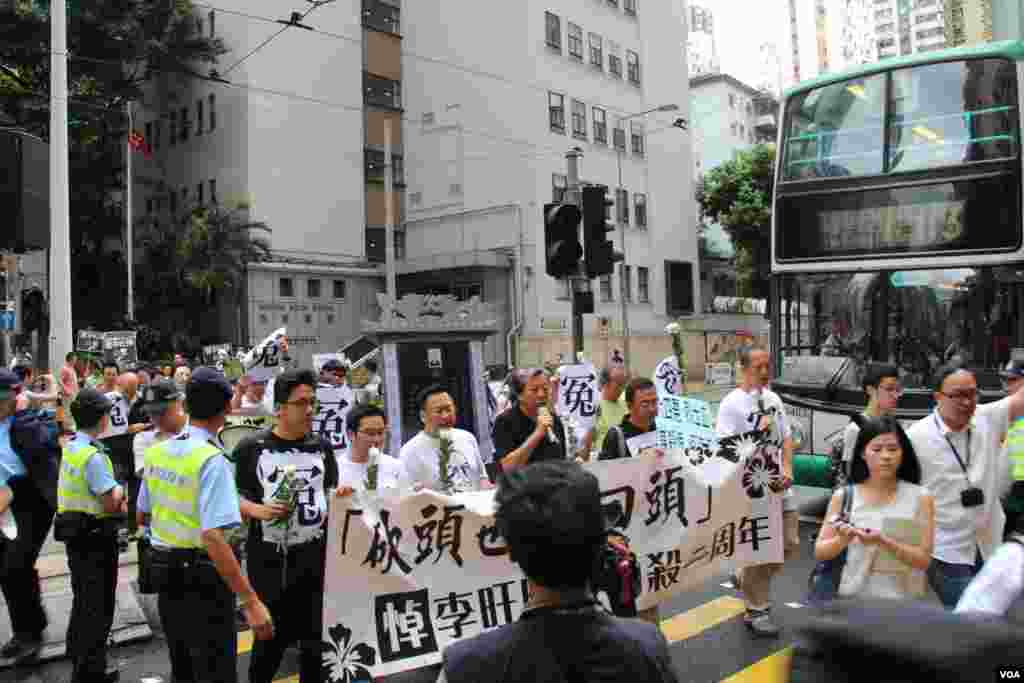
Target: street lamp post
x: 623, y: 285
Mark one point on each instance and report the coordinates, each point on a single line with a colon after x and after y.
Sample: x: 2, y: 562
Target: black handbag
x: 823, y: 584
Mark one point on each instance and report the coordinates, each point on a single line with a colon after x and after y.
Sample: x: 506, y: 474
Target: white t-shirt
x: 959, y: 530
x: 998, y: 585
x: 255, y: 408
x: 390, y: 473
x: 738, y: 413
x: 118, y: 415
x: 420, y: 456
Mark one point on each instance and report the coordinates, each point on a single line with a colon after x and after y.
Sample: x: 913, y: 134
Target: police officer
x: 188, y: 499
x: 90, y: 503
x: 1013, y: 503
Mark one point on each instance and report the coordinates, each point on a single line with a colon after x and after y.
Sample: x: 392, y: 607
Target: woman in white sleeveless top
x: 891, y: 527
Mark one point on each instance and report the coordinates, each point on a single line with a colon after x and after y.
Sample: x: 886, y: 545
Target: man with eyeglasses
x: 367, y: 428
x: 284, y: 476
x: 959, y: 447
x: 882, y: 386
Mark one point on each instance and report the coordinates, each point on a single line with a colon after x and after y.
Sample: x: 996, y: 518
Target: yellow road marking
x: 773, y: 669
x: 698, y: 619
x: 290, y: 679
x: 244, y: 642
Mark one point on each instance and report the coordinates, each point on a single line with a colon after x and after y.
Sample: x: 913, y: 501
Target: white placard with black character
x: 263, y: 361
x: 306, y: 521
x: 335, y: 404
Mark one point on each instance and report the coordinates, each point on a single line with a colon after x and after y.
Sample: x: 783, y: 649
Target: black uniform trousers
x: 19, y: 580
x: 197, y: 611
x: 294, y: 594
x: 92, y: 560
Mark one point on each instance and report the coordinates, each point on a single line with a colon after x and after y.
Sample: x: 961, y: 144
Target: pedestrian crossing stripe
x: 775, y: 668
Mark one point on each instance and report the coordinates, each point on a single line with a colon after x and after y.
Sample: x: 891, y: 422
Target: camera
x: 972, y: 497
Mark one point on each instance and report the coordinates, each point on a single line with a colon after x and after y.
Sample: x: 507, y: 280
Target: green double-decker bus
x: 897, y: 231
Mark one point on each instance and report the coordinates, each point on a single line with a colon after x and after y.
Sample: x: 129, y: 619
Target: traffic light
x: 599, y: 255
x: 562, y: 239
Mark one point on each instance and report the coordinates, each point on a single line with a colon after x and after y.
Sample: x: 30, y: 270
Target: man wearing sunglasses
x: 960, y: 448
x: 284, y: 475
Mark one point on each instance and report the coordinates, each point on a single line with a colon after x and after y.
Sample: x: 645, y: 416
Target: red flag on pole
x: 138, y: 143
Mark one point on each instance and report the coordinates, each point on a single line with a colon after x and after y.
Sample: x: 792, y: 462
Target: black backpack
x: 35, y: 437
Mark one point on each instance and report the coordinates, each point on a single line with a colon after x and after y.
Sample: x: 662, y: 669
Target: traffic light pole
x: 576, y: 281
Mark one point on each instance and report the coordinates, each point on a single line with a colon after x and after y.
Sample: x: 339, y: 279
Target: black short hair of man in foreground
x: 550, y: 515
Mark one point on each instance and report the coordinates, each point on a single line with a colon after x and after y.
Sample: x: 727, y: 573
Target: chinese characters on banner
x: 263, y: 360
x: 686, y: 424
x: 668, y: 378
x: 577, y: 395
x: 335, y: 402
x: 121, y: 348
x: 409, y: 574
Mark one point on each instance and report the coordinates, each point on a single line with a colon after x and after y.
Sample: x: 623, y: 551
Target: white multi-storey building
x: 702, y: 53
x: 493, y: 107
x: 479, y: 103
x: 904, y: 27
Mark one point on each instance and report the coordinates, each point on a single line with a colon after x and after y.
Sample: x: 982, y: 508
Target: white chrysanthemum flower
x: 374, y: 455
x: 745, y: 447
x: 289, y: 470
x: 673, y: 328
x: 444, y: 434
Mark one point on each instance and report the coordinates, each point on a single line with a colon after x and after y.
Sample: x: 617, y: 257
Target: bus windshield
x: 917, y: 320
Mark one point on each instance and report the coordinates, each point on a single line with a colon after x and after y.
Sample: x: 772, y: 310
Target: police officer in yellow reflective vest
x: 189, y: 500
x: 1013, y: 504
x: 90, y: 506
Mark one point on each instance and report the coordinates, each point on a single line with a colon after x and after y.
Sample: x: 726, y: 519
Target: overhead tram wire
x: 295, y: 21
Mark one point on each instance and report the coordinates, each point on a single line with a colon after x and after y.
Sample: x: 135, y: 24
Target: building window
x: 212, y: 101
x: 467, y: 290
x: 213, y: 191
x: 556, y: 112
x: 640, y: 206
x: 381, y: 16
x: 158, y: 130
x: 633, y: 67
x: 374, y: 245
x: 286, y: 287
x: 313, y: 288
x: 575, y: 41
x: 330, y: 319
x: 199, y: 116
x: 627, y: 284
x: 596, y: 50
x: 630, y: 7
x: 579, y: 120
x: 172, y: 126
x: 199, y: 193
x: 615, y: 65
x: 553, y: 31
x: 678, y: 288
x: 339, y: 290
x: 606, y: 288
x: 186, y: 124
x: 643, y: 285
x: 415, y: 198
x: 619, y: 137
x: 398, y: 170
x: 600, y: 125
x: 373, y: 166
x: 149, y: 206
x: 622, y: 205
x: 636, y: 136
x: 559, y: 187
x: 382, y: 92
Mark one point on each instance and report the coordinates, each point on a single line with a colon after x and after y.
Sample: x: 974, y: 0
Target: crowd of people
x: 243, y: 529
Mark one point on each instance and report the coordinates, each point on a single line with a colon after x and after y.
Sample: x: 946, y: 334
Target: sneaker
x: 21, y: 648
x: 760, y: 623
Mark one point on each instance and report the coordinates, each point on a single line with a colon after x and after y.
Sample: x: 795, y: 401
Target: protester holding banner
x: 367, y: 428
x: 551, y: 518
x: 527, y: 432
x: 284, y: 476
x: 749, y: 407
x: 440, y: 439
x: 610, y: 409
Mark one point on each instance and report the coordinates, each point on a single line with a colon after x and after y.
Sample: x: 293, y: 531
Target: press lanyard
x: 956, y: 453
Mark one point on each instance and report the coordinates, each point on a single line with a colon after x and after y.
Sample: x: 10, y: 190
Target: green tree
x: 116, y: 47
x: 738, y: 196
x: 194, y: 270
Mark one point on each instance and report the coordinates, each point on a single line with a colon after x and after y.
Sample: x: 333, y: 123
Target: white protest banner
x: 577, y: 394
x: 120, y: 347
x: 335, y: 402
x: 262, y: 361
x: 89, y: 341
x: 408, y: 574
x: 668, y: 378
x: 638, y: 444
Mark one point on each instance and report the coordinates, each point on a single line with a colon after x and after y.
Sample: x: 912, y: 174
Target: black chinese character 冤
x: 664, y: 568
x: 404, y: 628
x: 438, y: 536
x: 751, y: 529
x: 456, y: 612
x: 579, y: 395
x: 489, y: 536
x: 668, y: 497
x: 490, y: 603
x: 384, y: 546
x: 725, y: 541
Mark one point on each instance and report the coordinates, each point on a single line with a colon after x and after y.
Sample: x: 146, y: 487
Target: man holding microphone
x: 527, y: 432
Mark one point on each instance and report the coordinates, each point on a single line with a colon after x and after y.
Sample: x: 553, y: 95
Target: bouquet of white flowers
x: 373, y: 470
x: 447, y: 451
x: 675, y: 330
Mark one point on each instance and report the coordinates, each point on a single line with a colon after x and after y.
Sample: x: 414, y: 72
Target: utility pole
x: 389, y: 219
x: 128, y: 233
x: 579, y: 285
x: 60, y: 223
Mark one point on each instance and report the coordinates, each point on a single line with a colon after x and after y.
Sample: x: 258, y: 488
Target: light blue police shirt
x: 99, y: 477
x: 10, y: 464
x: 218, y: 495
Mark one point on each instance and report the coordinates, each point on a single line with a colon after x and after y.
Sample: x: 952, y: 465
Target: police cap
x: 160, y: 395
x: 89, y: 407
x: 207, y: 393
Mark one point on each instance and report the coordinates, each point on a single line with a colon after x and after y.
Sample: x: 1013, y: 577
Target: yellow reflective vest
x: 172, y: 484
x: 73, y: 493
